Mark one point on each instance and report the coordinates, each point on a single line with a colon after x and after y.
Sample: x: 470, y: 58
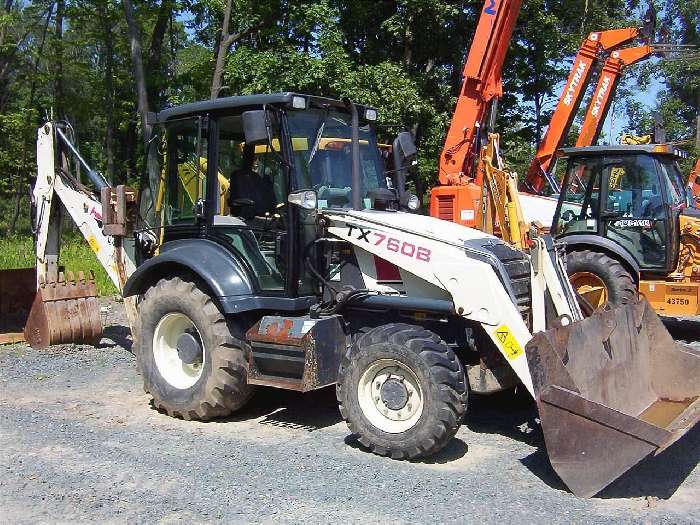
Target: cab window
x: 580, y: 206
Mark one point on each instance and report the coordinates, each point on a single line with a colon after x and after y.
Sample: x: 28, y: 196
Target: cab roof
x: 619, y: 149
x: 246, y: 102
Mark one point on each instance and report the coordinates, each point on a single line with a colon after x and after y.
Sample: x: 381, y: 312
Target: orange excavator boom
x: 589, y: 53
x: 481, y: 85
x: 605, y: 90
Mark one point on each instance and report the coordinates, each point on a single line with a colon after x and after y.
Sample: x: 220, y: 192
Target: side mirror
x: 404, y: 151
x: 406, y: 144
x: 254, y: 126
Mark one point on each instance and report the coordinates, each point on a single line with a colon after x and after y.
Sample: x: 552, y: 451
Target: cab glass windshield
x: 322, y: 154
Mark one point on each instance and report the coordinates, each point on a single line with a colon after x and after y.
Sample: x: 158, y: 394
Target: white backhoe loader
x: 302, y: 272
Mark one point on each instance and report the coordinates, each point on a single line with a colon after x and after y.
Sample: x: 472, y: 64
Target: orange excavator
x: 463, y: 165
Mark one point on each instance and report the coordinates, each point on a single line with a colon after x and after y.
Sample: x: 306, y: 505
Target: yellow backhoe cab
x: 627, y: 221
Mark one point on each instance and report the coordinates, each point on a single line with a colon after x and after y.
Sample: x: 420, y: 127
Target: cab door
x: 635, y: 214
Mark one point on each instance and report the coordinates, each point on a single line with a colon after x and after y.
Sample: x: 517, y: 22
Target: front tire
x: 600, y: 279
x: 402, y: 391
x: 192, y: 364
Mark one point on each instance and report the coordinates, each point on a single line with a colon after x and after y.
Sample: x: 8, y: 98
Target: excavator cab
x: 630, y: 197
x: 629, y: 206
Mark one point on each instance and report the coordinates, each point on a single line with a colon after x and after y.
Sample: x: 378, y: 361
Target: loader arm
x: 443, y: 254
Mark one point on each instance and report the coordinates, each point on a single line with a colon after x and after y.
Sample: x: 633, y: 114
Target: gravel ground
x: 80, y: 443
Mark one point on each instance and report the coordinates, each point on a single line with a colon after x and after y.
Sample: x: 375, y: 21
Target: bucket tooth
x: 611, y: 390
x: 64, y: 311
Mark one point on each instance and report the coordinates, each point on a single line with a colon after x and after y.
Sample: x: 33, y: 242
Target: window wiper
x: 319, y: 134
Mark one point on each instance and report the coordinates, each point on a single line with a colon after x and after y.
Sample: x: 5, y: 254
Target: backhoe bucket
x: 17, y: 291
x: 65, y: 311
x: 611, y: 390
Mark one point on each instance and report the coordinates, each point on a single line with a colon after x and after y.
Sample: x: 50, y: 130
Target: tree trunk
x: 538, y: 118
x: 408, y: 44
x: 225, y: 42
x: 137, y: 64
x: 58, y: 57
x: 21, y: 180
x: 697, y: 119
x: 155, y: 52
x: 221, y: 53
x: 109, y: 89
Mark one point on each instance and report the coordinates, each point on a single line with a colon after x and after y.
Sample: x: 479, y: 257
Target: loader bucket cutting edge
x: 64, y: 311
x: 611, y: 390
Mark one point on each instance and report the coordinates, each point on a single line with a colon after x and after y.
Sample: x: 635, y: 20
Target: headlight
x: 298, y: 102
x: 413, y: 202
x: 371, y: 114
x: 306, y: 199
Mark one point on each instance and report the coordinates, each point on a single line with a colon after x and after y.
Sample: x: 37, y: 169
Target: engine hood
x: 422, y: 225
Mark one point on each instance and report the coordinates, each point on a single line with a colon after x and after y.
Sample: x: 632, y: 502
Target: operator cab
x: 629, y: 195
x: 226, y: 170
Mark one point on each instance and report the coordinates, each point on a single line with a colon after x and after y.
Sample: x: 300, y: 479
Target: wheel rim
x: 591, y: 287
x: 174, y: 350
x: 390, y: 396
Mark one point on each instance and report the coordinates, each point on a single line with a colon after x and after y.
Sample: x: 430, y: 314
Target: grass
x: 18, y: 252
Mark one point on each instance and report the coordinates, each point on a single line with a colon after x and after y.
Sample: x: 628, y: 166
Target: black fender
x: 211, y: 262
x: 225, y: 276
x: 601, y: 244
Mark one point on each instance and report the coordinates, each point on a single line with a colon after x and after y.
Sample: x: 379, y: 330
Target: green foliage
x: 76, y: 256
x: 404, y: 57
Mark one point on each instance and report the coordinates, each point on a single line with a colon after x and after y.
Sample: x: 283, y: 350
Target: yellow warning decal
x: 509, y: 344
x: 93, y: 244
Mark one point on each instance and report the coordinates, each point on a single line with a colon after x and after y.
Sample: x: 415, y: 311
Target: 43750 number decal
x: 392, y: 244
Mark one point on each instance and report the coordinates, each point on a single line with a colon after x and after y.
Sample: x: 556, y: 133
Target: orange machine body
x: 458, y: 198
x: 481, y: 84
x: 693, y: 183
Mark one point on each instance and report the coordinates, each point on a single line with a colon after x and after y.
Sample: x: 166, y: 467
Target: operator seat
x: 251, y: 194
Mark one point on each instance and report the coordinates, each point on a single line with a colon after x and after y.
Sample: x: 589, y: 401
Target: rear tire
x: 402, y: 391
x: 192, y: 363
x: 589, y: 271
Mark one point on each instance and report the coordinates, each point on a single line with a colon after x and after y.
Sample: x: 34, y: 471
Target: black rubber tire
x: 442, y: 380
x: 222, y: 387
x: 620, y: 285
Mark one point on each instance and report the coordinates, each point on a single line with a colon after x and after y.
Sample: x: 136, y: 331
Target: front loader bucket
x: 17, y: 291
x: 611, y: 390
x: 65, y: 311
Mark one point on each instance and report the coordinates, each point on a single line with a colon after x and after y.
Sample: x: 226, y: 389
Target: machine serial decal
x: 509, y: 344
x: 633, y: 223
x: 392, y: 244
